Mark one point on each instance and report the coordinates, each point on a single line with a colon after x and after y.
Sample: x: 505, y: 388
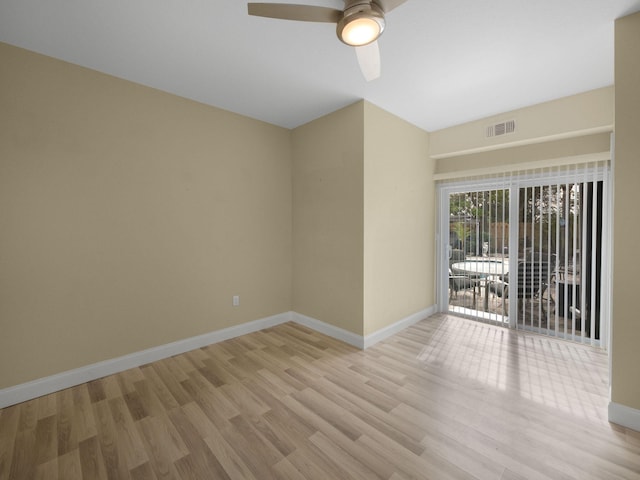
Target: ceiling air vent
x: 502, y: 128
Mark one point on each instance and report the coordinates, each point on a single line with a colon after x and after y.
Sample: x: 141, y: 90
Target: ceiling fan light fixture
x: 361, y: 25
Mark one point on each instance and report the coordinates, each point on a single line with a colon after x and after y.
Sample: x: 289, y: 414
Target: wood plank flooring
x: 447, y: 398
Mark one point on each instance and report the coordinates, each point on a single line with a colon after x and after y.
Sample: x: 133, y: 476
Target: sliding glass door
x: 478, y: 249
x: 528, y: 251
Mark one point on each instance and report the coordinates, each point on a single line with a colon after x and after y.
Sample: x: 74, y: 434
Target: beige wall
x: 526, y: 156
x: 578, y: 115
x: 129, y: 217
x: 328, y: 218
x: 625, y: 349
x: 399, y: 220
x: 567, y: 129
x: 363, y: 221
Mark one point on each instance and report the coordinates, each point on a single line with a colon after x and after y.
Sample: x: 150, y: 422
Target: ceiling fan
x: 358, y: 25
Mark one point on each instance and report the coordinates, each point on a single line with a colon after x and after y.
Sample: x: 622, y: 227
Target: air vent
x: 502, y: 128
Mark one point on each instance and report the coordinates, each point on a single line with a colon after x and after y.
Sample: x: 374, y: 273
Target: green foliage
x: 548, y: 216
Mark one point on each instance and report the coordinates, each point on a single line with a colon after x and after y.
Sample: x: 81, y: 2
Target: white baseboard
x: 71, y: 378
x: 626, y: 416
x: 330, y: 330
x: 358, y: 340
x: 394, y: 328
x: 27, y: 391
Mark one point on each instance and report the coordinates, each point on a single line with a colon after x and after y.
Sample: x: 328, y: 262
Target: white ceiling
x: 444, y: 62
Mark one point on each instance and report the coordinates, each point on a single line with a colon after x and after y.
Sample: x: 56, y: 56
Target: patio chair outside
x: 533, y: 280
x: 459, y: 282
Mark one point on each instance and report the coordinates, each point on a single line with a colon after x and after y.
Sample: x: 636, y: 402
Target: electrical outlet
x: 236, y: 300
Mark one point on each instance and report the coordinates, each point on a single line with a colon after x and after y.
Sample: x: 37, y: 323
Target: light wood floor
x: 445, y: 399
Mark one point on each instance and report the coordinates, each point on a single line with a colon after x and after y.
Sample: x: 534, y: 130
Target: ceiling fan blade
x: 369, y: 60
x: 388, y: 5
x: 288, y: 11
